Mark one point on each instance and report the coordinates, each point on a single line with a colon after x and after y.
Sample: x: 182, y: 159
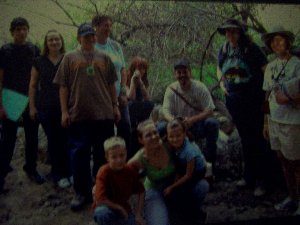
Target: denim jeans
x: 124, y: 127
x: 208, y: 129
x: 156, y: 212
x: 57, y: 143
x: 189, y: 195
x: 82, y: 137
x: 103, y: 215
x: 8, y: 141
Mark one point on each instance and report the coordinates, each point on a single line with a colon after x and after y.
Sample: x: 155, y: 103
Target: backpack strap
x: 185, y: 100
x: 223, y: 54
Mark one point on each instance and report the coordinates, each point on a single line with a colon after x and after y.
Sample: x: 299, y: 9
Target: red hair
x: 136, y: 63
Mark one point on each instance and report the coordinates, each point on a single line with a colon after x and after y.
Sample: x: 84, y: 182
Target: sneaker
x: 259, y: 191
x: 64, y: 183
x: 287, y: 205
x: 34, y: 176
x: 241, y: 183
x: 77, y: 202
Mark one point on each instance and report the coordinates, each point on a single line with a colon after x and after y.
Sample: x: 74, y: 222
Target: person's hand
x: 33, y: 113
x: 123, y: 100
x: 94, y: 192
x: 225, y: 92
x: 167, y: 191
x: 117, y: 114
x: 224, y: 89
x: 136, y: 78
x: 65, y: 120
x: 281, y: 98
x: 139, y: 219
x: 266, y: 131
x: 2, y: 113
x: 123, y: 212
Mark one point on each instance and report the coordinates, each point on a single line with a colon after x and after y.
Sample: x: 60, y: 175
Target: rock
x: 229, y: 162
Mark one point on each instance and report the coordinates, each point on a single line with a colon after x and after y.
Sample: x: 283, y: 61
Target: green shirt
x: 157, y: 178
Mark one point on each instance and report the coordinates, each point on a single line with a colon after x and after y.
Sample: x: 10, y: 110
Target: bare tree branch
x: 66, y: 12
x: 95, y: 6
x: 80, y: 8
x: 41, y: 15
x: 257, y: 26
x: 206, y: 12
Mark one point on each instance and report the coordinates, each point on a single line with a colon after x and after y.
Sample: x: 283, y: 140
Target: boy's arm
x: 167, y: 104
x: 32, y: 93
x: 2, y: 112
x: 140, y: 206
x: 63, y: 96
x: 114, y: 99
x: 113, y: 205
x: 188, y: 175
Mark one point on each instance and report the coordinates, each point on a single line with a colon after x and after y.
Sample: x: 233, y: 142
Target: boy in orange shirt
x: 115, y: 183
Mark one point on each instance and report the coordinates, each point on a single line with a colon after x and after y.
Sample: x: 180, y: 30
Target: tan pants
x: 291, y: 169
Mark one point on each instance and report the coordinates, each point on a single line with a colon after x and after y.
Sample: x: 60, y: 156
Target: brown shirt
x: 117, y: 186
x: 89, y: 95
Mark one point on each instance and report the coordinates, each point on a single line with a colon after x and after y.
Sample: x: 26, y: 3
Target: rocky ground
x: 29, y: 204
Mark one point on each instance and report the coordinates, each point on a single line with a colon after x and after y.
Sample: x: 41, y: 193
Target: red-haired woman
x: 140, y: 105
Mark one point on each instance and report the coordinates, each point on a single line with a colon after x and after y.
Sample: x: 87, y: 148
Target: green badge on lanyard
x: 90, y: 70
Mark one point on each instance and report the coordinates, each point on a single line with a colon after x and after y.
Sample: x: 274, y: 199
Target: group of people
x: 79, y: 97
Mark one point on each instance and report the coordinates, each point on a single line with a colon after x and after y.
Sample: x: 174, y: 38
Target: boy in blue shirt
x: 189, y: 185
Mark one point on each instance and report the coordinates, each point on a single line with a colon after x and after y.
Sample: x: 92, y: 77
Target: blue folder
x: 13, y: 103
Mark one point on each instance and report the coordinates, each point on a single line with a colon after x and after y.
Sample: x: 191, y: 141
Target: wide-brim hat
x: 278, y: 30
x: 232, y: 23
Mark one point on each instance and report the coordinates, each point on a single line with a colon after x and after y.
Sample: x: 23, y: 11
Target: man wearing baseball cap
x: 190, y: 99
x: 89, y: 107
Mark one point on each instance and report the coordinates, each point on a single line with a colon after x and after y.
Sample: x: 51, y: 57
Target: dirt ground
x: 26, y: 203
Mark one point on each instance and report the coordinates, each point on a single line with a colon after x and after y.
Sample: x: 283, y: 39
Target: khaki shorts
x: 286, y: 138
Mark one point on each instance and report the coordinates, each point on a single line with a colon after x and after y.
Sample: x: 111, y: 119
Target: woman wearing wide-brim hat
x: 282, y: 126
x: 240, y: 67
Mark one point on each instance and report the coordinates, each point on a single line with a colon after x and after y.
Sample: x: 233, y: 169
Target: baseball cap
x: 182, y: 63
x: 85, y: 29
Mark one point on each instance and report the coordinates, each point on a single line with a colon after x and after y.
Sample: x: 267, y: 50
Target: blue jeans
x: 208, y: 129
x: 103, y: 215
x: 57, y: 143
x: 82, y: 136
x: 156, y: 212
x: 124, y: 126
x: 190, y: 195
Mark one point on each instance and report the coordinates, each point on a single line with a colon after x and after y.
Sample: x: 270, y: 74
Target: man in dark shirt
x: 16, y: 60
